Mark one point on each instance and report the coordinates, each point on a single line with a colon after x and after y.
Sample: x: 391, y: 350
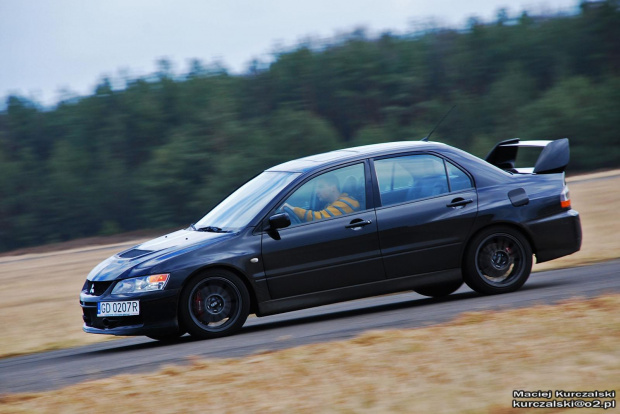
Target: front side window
x: 411, y: 177
x: 335, y: 193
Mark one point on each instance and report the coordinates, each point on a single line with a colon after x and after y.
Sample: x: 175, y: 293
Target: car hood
x: 136, y: 260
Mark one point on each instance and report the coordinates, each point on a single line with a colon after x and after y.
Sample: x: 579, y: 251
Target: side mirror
x: 279, y: 221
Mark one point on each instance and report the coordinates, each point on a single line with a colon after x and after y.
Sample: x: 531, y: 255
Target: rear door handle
x: 458, y: 202
x: 357, y: 224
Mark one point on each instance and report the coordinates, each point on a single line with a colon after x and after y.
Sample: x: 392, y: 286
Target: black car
x: 343, y: 225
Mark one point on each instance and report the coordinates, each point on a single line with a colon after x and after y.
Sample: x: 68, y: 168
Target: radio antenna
x: 425, y: 139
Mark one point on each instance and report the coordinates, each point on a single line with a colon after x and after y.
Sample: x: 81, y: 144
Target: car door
x: 426, y: 209
x: 325, y: 247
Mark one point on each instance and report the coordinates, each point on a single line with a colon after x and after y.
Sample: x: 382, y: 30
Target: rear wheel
x: 437, y: 291
x: 214, y: 304
x: 498, y: 260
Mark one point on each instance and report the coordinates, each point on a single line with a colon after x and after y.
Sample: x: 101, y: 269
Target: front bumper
x: 158, y: 314
x: 556, y: 236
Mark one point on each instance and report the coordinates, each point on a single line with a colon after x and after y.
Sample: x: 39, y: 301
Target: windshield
x: 236, y: 211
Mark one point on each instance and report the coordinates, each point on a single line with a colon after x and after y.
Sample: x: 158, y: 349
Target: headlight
x: 141, y: 284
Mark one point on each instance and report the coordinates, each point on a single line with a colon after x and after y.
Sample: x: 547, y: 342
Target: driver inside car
x: 337, y: 203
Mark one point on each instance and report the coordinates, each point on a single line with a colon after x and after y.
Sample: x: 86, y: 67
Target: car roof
x: 317, y: 161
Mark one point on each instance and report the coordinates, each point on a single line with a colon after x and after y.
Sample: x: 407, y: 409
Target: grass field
x: 469, y: 365
x: 39, y: 289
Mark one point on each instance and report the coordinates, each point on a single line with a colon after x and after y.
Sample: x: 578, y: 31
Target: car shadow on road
x: 410, y: 301
x: 267, y: 323
x: 415, y: 301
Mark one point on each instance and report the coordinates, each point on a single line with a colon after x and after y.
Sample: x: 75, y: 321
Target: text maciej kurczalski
x: 563, y: 394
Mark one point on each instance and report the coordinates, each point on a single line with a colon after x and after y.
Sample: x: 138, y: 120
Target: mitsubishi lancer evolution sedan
x: 343, y: 225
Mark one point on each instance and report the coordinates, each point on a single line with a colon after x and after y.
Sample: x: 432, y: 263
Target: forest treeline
x: 163, y: 149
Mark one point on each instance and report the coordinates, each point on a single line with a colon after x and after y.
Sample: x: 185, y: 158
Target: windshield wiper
x: 213, y: 229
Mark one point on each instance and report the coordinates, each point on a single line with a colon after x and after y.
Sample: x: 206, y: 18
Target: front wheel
x: 214, y: 304
x: 498, y: 260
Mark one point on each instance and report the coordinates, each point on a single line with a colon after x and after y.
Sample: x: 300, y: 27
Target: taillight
x: 565, y: 197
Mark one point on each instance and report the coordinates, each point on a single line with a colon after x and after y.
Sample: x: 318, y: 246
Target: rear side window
x: 458, y: 179
x: 393, y: 175
x: 411, y: 177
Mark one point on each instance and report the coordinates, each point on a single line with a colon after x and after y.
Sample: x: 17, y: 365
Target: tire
x: 438, y: 291
x: 497, y: 260
x: 214, y: 304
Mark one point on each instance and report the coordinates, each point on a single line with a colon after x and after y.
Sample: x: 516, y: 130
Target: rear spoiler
x: 553, y: 158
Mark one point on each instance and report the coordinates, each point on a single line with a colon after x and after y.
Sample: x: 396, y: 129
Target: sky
x: 52, y: 49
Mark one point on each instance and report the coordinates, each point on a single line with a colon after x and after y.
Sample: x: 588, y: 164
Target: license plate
x: 125, y: 308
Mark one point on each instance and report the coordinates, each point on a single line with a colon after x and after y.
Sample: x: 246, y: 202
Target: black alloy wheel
x: 498, y: 260
x: 214, y: 304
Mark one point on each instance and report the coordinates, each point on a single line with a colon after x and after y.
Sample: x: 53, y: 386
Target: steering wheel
x: 292, y: 215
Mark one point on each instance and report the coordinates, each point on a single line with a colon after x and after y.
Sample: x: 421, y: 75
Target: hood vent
x: 128, y: 254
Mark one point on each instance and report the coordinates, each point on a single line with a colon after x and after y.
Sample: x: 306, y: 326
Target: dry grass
x: 470, y: 365
x: 39, y: 291
x: 597, y: 203
x: 39, y: 299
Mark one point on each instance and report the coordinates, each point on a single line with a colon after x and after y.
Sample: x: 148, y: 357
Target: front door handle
x: 357, y: 224
x: 459, y: 202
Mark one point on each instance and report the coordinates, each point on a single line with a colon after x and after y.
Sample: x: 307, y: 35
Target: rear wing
x: 553, y: 158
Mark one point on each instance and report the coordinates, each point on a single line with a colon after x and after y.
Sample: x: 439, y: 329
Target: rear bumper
x: 556, y: 236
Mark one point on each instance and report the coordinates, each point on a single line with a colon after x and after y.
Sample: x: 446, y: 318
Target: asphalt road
x: 55, y: 369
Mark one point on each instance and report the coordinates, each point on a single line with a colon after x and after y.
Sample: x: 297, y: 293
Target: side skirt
x: 272, y: 307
